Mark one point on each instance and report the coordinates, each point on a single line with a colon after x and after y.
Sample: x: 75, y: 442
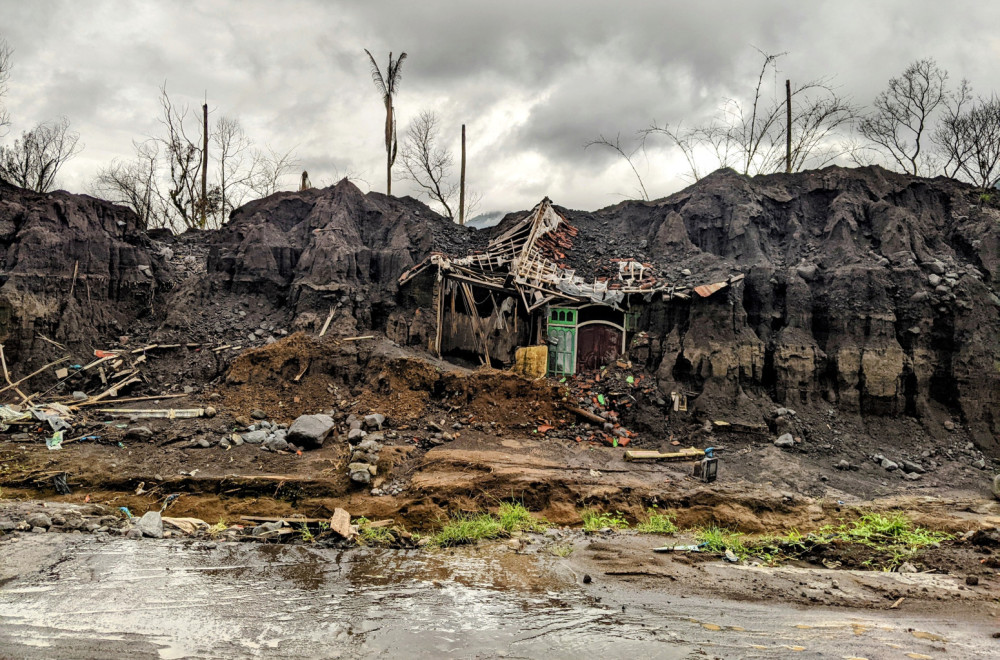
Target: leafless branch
x: 616, y: 146
x: 34, y: 159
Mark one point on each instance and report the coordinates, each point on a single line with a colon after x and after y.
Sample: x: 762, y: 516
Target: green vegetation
x: 594, y: 520
x: 470, y: 528
x: 657, y: 523
x: 561, y: 550
x: 372, y: 536
x: 717, y: 539
x: 985, y: 198
x: 893, y: 534
x: 306, y: 535
x: 218, y: 528
x: 890, y: 538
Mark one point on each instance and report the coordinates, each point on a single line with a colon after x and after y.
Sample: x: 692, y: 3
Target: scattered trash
x: 128, y: 514
x: 680, y: 548
x: 731, y: 557
x: 59, y: 483
x: 55, y: 442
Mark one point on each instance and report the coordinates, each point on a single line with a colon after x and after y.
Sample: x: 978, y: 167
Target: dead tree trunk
x: 461, y: 189
x: 204, y: 169
x: 788, y: 126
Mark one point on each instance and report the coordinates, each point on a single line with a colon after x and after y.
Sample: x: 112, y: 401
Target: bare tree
x: 751, y: 135
x: 183, y: 158
x: 6, y: 63
x: 971, y: 140
x: 34, y: 160
x: 947, y: 136
x: 626, y: 155
x: 427, y: 164
x: 268, y: 167
x: 387, y: 86
x: 902, y: 112
x: 234, y: 148
x: 134, y: 183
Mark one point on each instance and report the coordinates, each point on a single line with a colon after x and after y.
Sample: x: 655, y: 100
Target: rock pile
x: 366, y: 438
x: 268, y: 435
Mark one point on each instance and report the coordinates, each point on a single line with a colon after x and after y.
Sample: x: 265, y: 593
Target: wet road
x: 78, y: 598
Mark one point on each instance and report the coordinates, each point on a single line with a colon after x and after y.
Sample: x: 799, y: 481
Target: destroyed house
x: 522, y: 300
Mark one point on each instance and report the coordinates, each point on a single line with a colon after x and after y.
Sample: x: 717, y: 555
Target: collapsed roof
x: 534, y: 257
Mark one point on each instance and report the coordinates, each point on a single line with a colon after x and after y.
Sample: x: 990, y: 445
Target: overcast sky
x: 533, y: 81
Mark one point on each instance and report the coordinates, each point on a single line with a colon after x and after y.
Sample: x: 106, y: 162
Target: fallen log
x: 589, y: 416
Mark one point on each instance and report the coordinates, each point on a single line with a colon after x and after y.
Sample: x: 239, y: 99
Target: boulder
x: 151, y: 525
x: 310, y: 431
x: 39, y: 520
x: 255, y: 437
x: 355, y: 436
x: 138, y: 433
x: 912, y: 468
x: 889, y: 465
x: 785, y: 441
x: 374, y: 421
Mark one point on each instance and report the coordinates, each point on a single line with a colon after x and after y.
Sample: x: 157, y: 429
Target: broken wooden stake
x: 326, y: 324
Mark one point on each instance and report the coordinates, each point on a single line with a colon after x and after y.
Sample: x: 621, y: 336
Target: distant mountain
x: 486, y: 220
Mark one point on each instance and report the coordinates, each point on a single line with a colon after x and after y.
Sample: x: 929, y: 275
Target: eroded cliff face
x: 867, y: 290
x: 72, y: 268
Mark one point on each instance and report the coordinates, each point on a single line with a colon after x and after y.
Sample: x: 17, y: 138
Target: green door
x: 562, y: 341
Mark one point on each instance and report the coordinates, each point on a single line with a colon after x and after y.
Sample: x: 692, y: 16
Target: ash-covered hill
x: 872, y: 291
x: 73, y: 269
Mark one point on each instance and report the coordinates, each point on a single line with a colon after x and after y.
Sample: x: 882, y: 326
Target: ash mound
x: 73, y: 269
x: 872, y: 291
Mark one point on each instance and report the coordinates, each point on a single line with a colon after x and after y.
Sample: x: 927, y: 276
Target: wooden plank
x: 686, y: 454
x: 263, y: 519
x: 326, y: 324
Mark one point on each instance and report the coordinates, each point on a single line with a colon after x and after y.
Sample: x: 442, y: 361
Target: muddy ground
x: 495, y: 452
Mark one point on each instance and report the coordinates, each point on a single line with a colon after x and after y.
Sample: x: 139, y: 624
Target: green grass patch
x: 594, y: 520
x: 717, y: 539
x: 511, y: 518
x: 893, y: 534
x: 657, y: 522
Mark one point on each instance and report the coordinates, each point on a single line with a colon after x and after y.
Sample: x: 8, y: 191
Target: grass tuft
x: 657, y: 523
x: 463, y: 529
x: 594, y: 520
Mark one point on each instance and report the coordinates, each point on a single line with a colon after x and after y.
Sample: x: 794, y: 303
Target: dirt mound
x: 332, y: 247
x: 866, y: 290
x: 72, y: 268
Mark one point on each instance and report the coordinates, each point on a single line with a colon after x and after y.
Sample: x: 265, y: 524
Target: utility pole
x: 461, y: 189
x: 204, y: 167
x: 788, y: 126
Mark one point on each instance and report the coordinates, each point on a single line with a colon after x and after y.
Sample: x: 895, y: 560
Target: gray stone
x: 363, y: 457
x: 225, y: 444
x: 258, y: 414
x: 843, y: 465
x: 39, y: 520
x: 950, y: 425
x: 255, y: 437
x: 236, y: 439
x: 267, y: 529
x: 807, y: 271
x: 996, y: 486
x: 785, y: 441
x: 936, y: 267
x: 889, y: 465
x: 138, y: 433
x: 912, y: 468
x: 135, y: 533
x: 980, y: 464
x: 277, y: 444
x: 920, y: 296
x: 912, y: 476
x: 80, y: 396
x: 933, y: 279
x: 151, y: 525
x: 202, y: 443
x: 7, y: 525
x: 374, y: 421
x: 355, y: 436
x: 369, y: 445
x: 362, y: 476
x: 265, y: 425
x: 906, y: 567
x: 310, y: 431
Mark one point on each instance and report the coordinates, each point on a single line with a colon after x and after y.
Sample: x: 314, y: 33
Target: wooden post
x: 788, y: 126
x: 204, y: 169
x: 461, y: 190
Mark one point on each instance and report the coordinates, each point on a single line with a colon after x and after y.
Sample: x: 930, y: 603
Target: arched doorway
x: 597, y: 344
